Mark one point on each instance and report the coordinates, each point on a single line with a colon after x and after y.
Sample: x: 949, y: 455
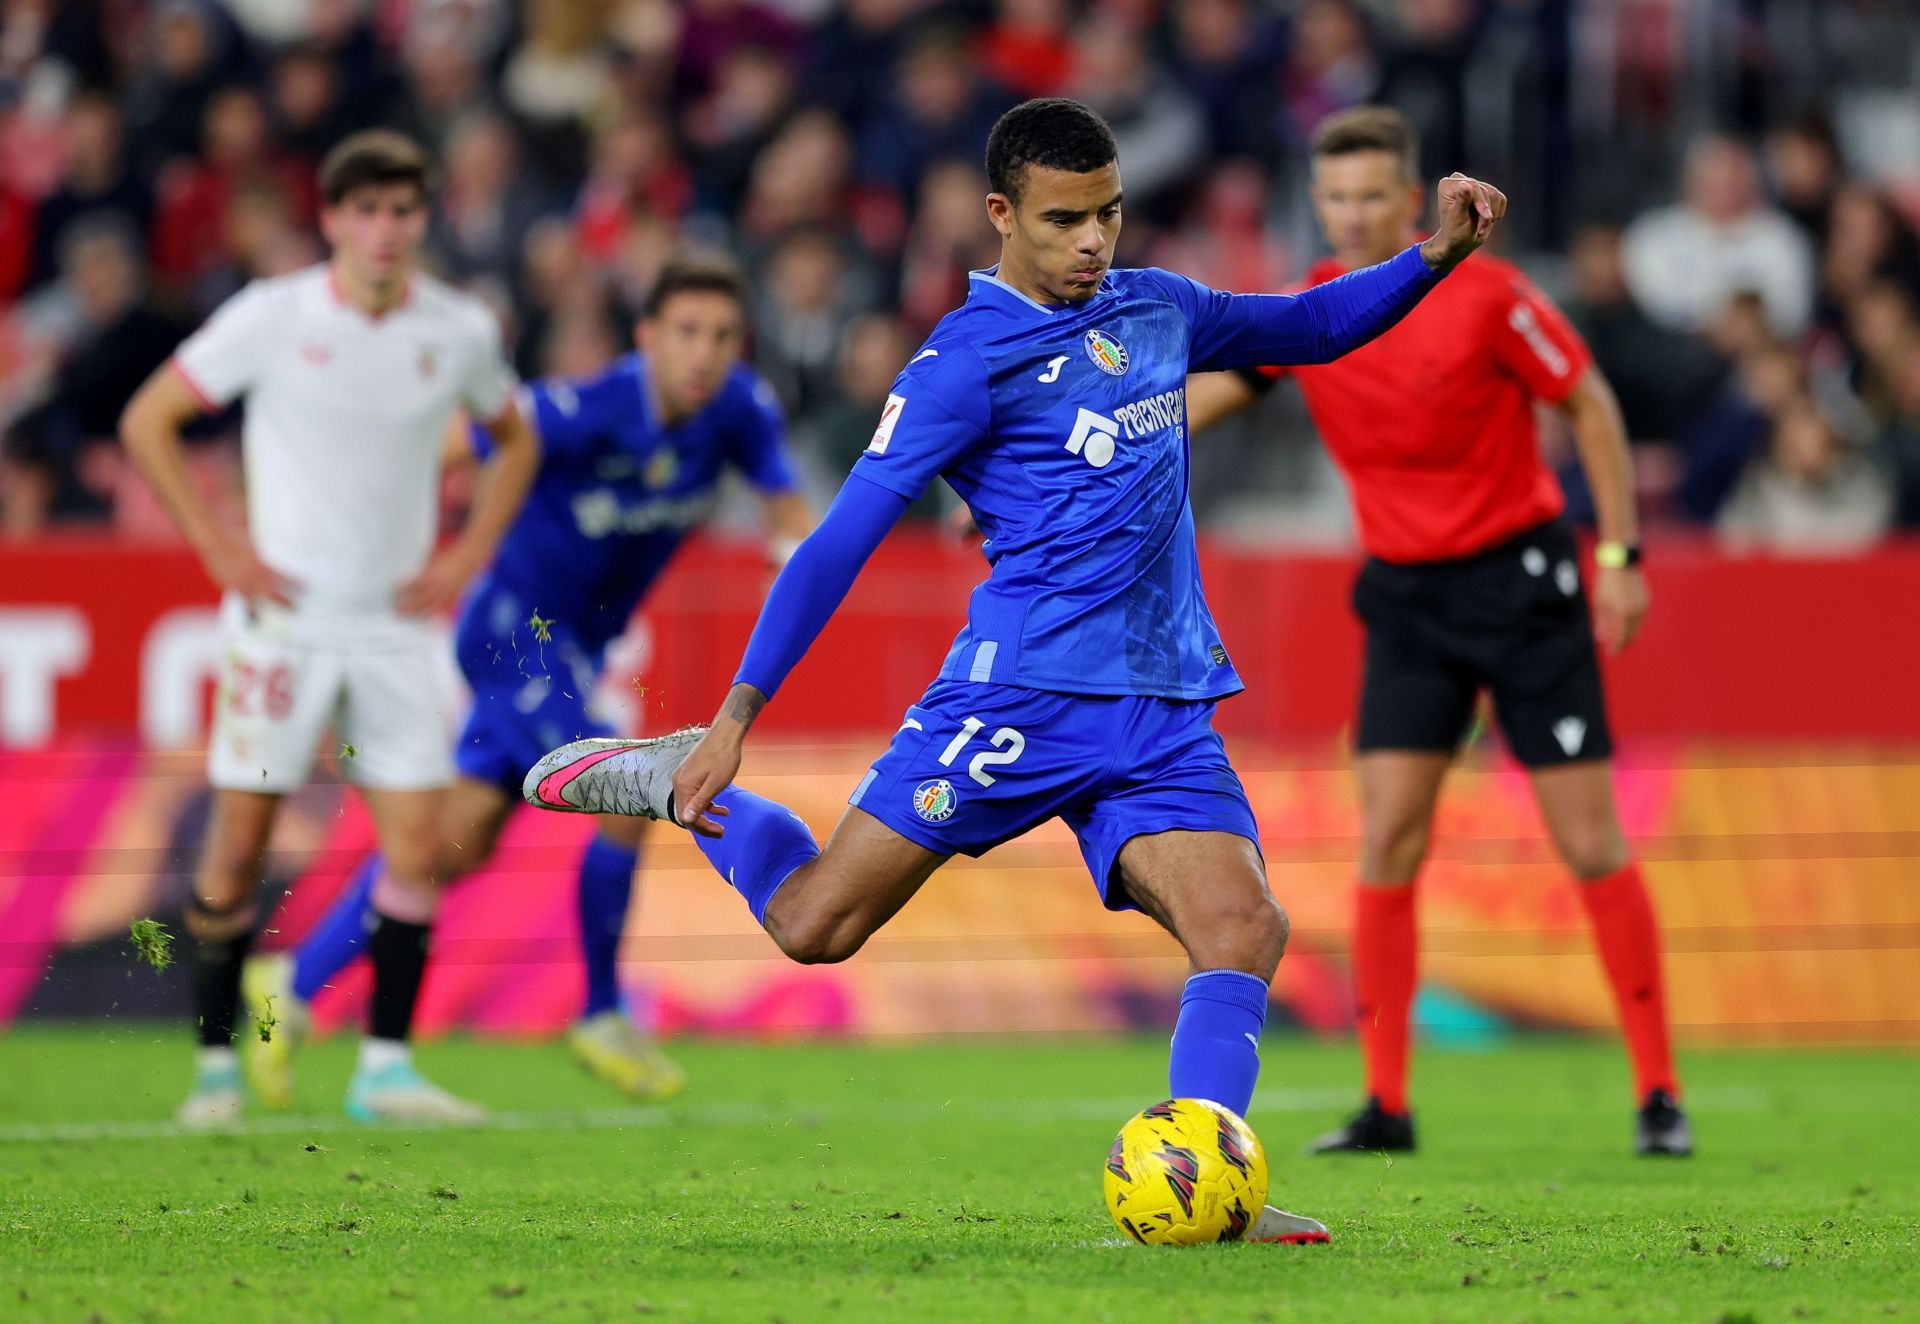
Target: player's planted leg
x: 220, y: 921
x: 1577, y: 802
x: 386, y: 1085
x: 1398, y: 791
x: 1209, y: 889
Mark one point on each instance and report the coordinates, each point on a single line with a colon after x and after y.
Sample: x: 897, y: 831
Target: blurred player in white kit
x: 350, y: 371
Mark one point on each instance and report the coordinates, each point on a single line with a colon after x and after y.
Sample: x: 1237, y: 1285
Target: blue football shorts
x: 529, y: 695
x: 977, y: 764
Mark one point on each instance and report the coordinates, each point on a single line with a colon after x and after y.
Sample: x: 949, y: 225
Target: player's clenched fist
x: 1468, y: 211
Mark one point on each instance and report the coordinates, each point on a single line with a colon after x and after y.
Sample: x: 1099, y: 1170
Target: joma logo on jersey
x: 1094, y: 435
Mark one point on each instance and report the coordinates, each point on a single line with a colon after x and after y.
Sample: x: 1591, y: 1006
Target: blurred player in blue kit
x: 631, y: 460
x: 1084, y: 683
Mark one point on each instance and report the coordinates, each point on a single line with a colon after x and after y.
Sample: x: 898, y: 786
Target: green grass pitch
x: 952, y: 1180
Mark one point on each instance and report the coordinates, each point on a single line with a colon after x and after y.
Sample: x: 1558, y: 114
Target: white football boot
x: 604, y: 776
x: 397, y: 1092
x: 1277, y: 1225
x: 215, y: 1098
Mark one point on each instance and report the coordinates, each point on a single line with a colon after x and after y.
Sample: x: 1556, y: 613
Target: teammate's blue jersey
x: 1064, y: 429
x: 618, y: 491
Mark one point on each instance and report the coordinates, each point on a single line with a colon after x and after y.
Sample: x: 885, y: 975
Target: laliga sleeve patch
x: 889, y: 416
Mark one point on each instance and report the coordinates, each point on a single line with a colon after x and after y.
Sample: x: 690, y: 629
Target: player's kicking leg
x: 821, y: 906
x: 220, y: 924
x: 1577, y: 802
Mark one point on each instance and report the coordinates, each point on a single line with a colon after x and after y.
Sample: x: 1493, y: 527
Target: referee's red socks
x: 1629, y: 943
x: 1386, y: 957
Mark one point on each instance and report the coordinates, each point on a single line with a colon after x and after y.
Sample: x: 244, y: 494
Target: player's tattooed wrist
x: 743, y: 705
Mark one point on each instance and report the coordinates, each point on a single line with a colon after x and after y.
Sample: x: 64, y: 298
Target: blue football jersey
x: 618, y: 491
x: 1065, y: 431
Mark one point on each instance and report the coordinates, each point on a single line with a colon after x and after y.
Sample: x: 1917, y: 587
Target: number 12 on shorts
x: 1008, y: 745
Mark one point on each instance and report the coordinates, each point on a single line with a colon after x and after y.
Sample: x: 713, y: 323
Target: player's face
x: 376, y: 231
x: 1367, y: 205
x: 691, y: 344
x: 1059, y: 236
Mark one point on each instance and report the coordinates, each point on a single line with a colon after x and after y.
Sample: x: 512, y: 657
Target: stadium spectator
x: 66, y: 441
x: 97, y: 181
x: 940, y: 108
x: 310, y: 111
x: 1662, y: 377
x: 1223, y: 56
x: 872, y: 353
x: 727, y: 129
x: 809, y: 292
x: 1027, y: 48
x: 180, y: 70
x: 1810, y: 494
x: 859, y: 35
x: 486, y: 205
x: 1160, y: 129
x: 950, y: 238
x: 238, y: 154
x: 1804, y: 163
x: 1868, y: 240
x: 1330, y: 66
x: 582, y: 140
x: 1686, y: 262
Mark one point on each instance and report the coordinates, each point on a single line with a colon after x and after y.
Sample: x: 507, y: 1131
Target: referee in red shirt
x: 1472, y: 582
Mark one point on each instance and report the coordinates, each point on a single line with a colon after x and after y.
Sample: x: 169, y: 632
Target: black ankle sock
x: 399, y: 952
x: 216, y: 986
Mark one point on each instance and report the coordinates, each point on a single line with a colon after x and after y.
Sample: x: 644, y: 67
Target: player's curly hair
x: 1055, y: 132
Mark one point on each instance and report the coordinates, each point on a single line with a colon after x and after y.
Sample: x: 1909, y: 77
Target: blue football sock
x: 606, y: 886
x: 341, y: 934
x: 1216, y: 1042
x: 765, y: 843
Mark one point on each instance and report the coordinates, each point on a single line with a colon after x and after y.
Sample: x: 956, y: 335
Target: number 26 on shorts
x: 1008, y: 745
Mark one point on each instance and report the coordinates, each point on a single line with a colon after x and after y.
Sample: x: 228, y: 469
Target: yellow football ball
x: 1185, y: 1172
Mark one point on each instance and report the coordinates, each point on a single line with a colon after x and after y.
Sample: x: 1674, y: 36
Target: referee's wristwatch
x: 1617, y: 555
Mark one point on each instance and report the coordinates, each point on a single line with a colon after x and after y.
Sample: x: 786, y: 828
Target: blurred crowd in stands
x: 1723, y: 194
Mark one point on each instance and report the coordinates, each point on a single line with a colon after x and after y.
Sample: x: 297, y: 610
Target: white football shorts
x: 384, y: 700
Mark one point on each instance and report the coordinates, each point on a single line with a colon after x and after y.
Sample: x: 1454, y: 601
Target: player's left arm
x: 1620, y: 596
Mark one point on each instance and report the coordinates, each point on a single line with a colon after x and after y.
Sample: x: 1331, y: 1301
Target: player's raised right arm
x: 150, y: 430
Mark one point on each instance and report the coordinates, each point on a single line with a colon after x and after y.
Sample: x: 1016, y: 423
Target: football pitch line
x: 1726, y: 1098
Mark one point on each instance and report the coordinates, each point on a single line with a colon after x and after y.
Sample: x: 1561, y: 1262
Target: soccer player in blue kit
x: 1084, y: 682
x: 630, y: 463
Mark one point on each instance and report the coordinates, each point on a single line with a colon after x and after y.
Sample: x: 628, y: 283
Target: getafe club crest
x: 935, y: 800
x: 1108, y: 354
x: 663, y: 466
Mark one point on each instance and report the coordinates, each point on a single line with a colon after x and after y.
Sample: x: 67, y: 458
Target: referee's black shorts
x: 1512, y: 620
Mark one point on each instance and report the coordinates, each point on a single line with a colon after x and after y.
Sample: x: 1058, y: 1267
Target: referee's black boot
x: 1663, y: 1129
x: 1368, y: 1131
